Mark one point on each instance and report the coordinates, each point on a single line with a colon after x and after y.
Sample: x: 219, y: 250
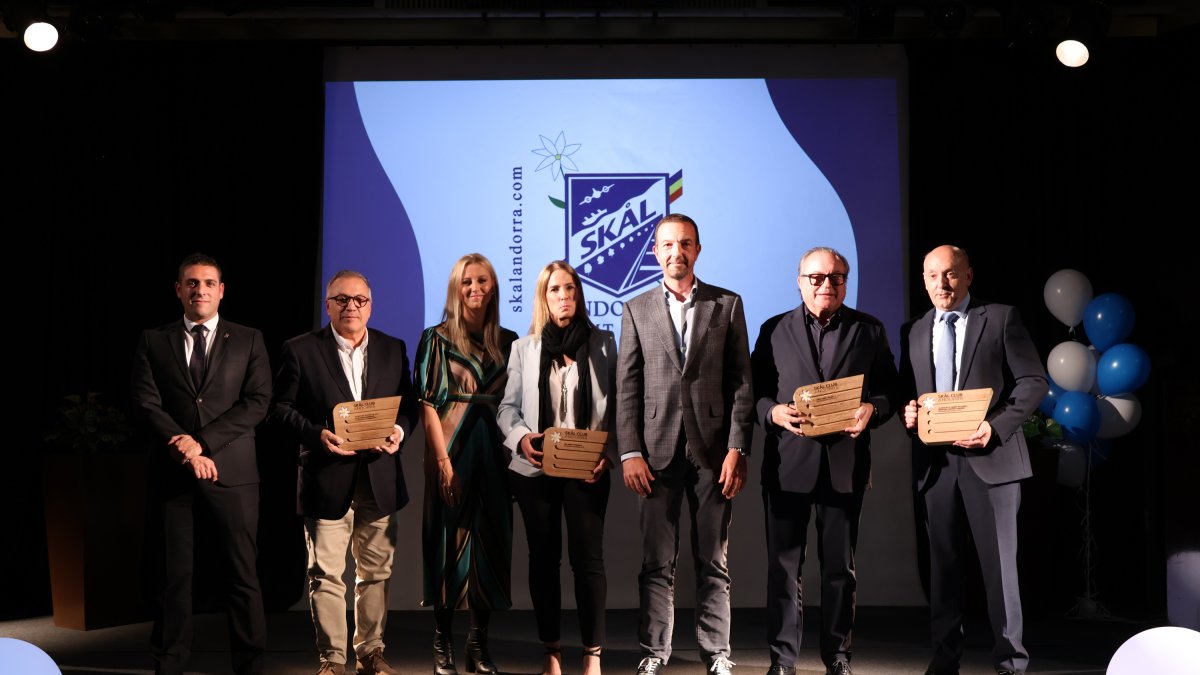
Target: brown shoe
x: 331, y: 668
x: 374, y: 664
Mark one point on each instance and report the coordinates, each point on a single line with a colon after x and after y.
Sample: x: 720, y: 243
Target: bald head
x: 947, y: 275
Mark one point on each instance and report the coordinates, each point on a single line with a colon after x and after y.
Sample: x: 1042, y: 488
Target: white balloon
x: 1118, y: 415
x: 1166, y: 649
x: 1095, y: 390
x: 1072, y: 464
x: 1067, y: 294
x: 19, y: 656
x: 1072, y: 366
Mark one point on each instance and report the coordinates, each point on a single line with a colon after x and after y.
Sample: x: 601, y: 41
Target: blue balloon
x: 1051, y: 400
x: 1078, y: 415
x: 1108, y: 320
x: 1122, y: 369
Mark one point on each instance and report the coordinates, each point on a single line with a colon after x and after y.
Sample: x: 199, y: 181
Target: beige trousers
x: 371, y: 538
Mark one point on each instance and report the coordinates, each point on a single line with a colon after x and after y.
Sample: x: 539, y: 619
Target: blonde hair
x: 452, y: 316
x: 541, y: 308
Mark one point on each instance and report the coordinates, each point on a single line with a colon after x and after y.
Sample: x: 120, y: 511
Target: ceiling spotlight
x: 947, y: 16
x: 41, y: 36
x: 872, y: 19
x: 1026, y: 22
x: 1072, y: 53
x: 1089, y: 23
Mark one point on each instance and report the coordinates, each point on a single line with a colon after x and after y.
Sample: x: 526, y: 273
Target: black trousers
x: 235, y: 513
x: 543, y: 501
x: 954, y: 498
x: 787, y: 515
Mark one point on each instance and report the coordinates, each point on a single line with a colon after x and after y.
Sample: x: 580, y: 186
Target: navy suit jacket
x: 997, y: 353
x: 783, y: 361
x: 220, y: 415
x: 310, y: 382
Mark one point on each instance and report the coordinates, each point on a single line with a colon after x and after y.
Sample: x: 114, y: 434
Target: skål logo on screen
x: 610, y: 226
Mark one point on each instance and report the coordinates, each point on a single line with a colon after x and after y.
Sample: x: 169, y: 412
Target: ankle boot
x: 443, y: 654
x: 478, y: 659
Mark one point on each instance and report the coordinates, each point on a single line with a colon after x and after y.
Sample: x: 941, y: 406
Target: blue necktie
x: 943, y: 360
x: 196, y: 365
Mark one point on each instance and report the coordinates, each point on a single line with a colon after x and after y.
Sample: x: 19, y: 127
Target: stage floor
x: 887, y: 641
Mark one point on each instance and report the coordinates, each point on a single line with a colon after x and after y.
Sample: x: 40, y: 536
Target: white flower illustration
x: 556, y: 154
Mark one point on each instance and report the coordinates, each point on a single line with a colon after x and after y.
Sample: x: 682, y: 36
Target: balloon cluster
x: 1092, y: 388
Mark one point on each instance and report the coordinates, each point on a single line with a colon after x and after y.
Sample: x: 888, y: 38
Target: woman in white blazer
x: 563, y: 374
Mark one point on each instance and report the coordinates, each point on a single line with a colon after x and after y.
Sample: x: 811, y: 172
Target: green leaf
x: 557, y: 202
x: 1054, y: 429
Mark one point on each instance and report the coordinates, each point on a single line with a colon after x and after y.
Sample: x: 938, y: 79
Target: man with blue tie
x: 200, y: 386
x: 966, y: 343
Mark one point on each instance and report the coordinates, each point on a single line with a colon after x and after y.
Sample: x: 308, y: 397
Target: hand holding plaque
x: 363, y: 425
x: 831, y: 405
x: 946, y: 417
x: 572, y: 453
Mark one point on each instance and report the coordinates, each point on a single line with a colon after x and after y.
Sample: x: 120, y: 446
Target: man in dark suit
x: 685, y: 411
x: 348, y: 498
x: 200, y: 386
x: 820, y: 340
x: 965, y: 343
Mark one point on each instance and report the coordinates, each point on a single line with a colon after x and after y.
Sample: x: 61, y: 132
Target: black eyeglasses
x: 818, y: 279
x: 360, y: 301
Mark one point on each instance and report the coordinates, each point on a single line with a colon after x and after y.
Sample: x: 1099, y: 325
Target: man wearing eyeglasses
x: 820, y: 340
x: 200, y: 386
x: 348, y: 498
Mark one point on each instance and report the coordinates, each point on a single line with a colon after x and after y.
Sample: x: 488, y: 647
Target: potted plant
x: 94, y: 491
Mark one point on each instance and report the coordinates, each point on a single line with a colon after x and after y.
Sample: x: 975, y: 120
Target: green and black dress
x: 467, y: 549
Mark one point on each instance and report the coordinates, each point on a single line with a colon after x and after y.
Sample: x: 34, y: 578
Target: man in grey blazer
x: 685, y: 413
x: 965, y: 343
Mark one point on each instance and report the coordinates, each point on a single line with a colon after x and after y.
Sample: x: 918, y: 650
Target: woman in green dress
x: 460, y: 373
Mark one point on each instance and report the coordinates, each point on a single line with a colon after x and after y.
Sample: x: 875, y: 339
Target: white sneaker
x: 722, y: 666
x: 650, y: 666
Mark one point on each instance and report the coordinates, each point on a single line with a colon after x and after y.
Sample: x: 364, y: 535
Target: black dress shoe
x: 777, y: 669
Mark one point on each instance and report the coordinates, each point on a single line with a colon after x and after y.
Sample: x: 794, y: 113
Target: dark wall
x: 122, y: 158
x: 1034, y: 168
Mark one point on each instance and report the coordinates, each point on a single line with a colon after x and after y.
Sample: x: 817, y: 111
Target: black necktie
x: 196, y: 365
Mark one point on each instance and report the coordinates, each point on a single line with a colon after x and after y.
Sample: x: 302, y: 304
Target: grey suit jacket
x: 710, y: 398
x: 998, y: 353
x: 783, y: 361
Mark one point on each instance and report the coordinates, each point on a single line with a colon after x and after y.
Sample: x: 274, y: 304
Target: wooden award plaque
x: 943, y: 418
x: 363, y: 425
x: 831, y: 404
x: 572, y: 453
